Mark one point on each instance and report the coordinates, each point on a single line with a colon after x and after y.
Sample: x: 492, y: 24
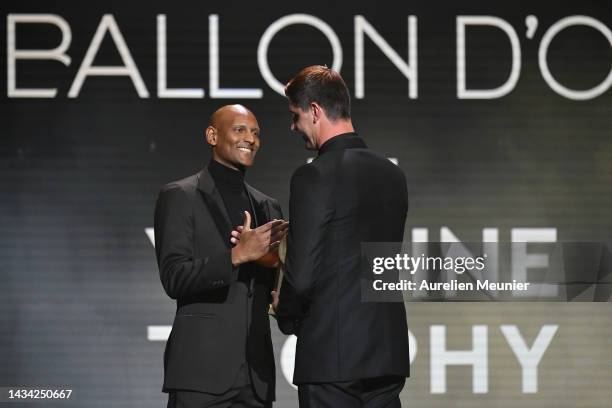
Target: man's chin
x: 244, y: 164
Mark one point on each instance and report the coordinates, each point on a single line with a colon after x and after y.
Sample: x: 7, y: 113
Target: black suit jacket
x: 346, y: 196
x: 220, y: 321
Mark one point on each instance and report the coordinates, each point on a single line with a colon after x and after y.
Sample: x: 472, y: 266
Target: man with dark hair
x: 350, y: 353
x: 219, y: 353
x: 323, y: 85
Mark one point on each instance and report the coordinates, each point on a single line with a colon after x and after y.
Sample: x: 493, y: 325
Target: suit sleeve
x: 310, y: 212
x: 288, y: 317
x: 182, y: 275
x: 290, y: 311
x: 275, y: 212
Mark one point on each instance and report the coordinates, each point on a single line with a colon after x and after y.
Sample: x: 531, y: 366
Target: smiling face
x: 301, y: 122
x: 234, y: 135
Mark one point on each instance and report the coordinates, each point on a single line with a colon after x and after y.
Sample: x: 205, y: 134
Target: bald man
x: 219, y: 353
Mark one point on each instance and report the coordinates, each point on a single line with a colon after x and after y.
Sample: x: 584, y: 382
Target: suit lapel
x: 260, y: 206
x: 215, y: 204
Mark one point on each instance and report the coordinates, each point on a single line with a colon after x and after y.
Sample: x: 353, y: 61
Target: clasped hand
x: 252, y: 244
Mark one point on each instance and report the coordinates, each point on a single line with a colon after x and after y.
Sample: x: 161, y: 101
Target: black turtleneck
x: 230, y: 184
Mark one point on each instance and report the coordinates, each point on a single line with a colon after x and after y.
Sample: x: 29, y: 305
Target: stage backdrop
x: 499, y: 114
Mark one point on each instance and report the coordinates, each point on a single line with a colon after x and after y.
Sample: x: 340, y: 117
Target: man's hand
x: 252, y: 244
x: 236, y: 235
x: 274, y: 303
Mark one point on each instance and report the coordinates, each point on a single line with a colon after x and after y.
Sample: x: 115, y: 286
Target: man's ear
x: 316, y: 110
x: 211, y: 136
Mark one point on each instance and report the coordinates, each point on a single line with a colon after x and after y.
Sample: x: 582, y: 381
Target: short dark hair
x: 321, y: 85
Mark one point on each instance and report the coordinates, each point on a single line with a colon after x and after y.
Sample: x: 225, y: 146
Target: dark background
x: 79, y: 179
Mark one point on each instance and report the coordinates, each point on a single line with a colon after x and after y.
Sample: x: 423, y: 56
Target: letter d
x: 508, y: 86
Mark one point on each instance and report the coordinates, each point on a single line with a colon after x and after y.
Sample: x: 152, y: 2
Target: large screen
x: 498, y: 113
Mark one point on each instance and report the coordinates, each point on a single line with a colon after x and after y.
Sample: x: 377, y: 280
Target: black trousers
x: 241, y: 395
x: 382, y: 392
